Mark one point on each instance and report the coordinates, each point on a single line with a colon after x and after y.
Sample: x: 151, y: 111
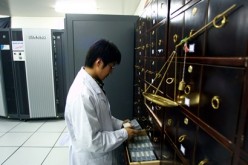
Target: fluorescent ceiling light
x: 4, y: 16
x: 76, y: 6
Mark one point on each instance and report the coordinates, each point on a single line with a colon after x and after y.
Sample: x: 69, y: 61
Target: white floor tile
x: 14, y: 139
x: 28, y: 156
x: 39, y: 139
x: 6, y: 152
x: 33, y: 142
x: 65, y: 130
x: 52, y: 126
x: 6, y: 126
x: 30, y: 126
x: 63, y: 141
x: 58, y: 156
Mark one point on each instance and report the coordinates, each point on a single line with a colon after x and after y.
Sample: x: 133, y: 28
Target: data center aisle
x: 33, y: 142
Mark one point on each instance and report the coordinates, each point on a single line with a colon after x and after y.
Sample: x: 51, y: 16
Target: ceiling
x: 45, y: 8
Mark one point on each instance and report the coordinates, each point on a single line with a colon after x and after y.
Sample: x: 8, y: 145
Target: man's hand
x: 132, y: 132
x: 126, y: 123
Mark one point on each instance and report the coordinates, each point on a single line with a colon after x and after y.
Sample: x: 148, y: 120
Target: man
x: 93, y: 131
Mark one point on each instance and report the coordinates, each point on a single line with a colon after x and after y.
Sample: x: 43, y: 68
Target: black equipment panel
x: 20, y: 79
x: 58, y: 44
x: 8, y: 72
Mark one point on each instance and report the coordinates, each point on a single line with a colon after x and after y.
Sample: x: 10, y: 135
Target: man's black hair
x: 105, y: 50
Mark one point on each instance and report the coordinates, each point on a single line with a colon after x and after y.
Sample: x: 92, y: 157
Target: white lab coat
x: 94, y: 132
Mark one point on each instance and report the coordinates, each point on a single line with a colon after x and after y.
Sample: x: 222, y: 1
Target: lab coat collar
x: 91, y: 81
x: 101, y: 84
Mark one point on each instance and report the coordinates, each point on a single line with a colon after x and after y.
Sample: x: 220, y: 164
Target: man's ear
x: 98, y: 62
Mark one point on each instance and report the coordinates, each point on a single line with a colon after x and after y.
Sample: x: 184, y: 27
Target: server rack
x: 33, y: 68
x: 2, y: 92
x: 8, y: 74
x: 19, y: 73
x: 58, y: 49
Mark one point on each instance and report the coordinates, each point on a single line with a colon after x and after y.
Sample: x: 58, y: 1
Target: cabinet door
x: 140, y: 42
x: 170, y: 124
x: 138, y: 89
x: 167, y: 155
x: 175, y: 26
x: 156, y: 139
x: 195, y: 20
x: 151, y: 46
x: 153, y: 12
x: 162, y: 9
x: 246, y: 137
x: 244, y: 147
x: 175, y: 5
x: 189, y: 96
x: 220, y: 106
x: 210, y: 152
x: 242, y: 162
x: 161, y: 40
x: 171, y: 129
x: 186, y: 137
x: 228, y: 40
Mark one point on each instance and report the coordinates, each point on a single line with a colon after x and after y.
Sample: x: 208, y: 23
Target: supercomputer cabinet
x: 2, y: 92
x: 32, y: 71
x: 191, y: 80
x: 7, y: 75
x: 58, y: 50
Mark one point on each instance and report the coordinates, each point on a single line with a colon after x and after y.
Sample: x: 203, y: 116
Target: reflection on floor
x: 33, y: 142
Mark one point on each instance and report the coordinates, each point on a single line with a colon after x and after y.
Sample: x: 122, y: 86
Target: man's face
x: 103, y: 72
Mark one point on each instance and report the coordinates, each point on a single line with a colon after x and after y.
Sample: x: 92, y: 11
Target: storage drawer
x: 175, y: 33
x: 222, y: 89
x: 243, y: 158
x: 186, y: 137
x: 171, y: 122
x: 140, y: 29
x: 169, y: 81
x: 189, y: 95
x: 242, y: 162
x: 167, y: 155
x: 161, y: 41
x: 162, y: 9
x: 140, y: 150
x: 151, y: 46
x: 195, y: 20
x: 154, y: 12
x: 245, y: 147
x: 208, y: 151
x: 229, y: 40
x: 153, y: 162
x: 175, y: 5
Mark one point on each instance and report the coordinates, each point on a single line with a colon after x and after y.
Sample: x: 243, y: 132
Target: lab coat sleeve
x: 117, y: 123
x: 88, y: 133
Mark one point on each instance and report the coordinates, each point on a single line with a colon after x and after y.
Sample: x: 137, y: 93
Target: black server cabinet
x: 84, y: 30
x: 58, y: 51
x: 14, y: 76
x: 20, y: 82
x: 8, y: 73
